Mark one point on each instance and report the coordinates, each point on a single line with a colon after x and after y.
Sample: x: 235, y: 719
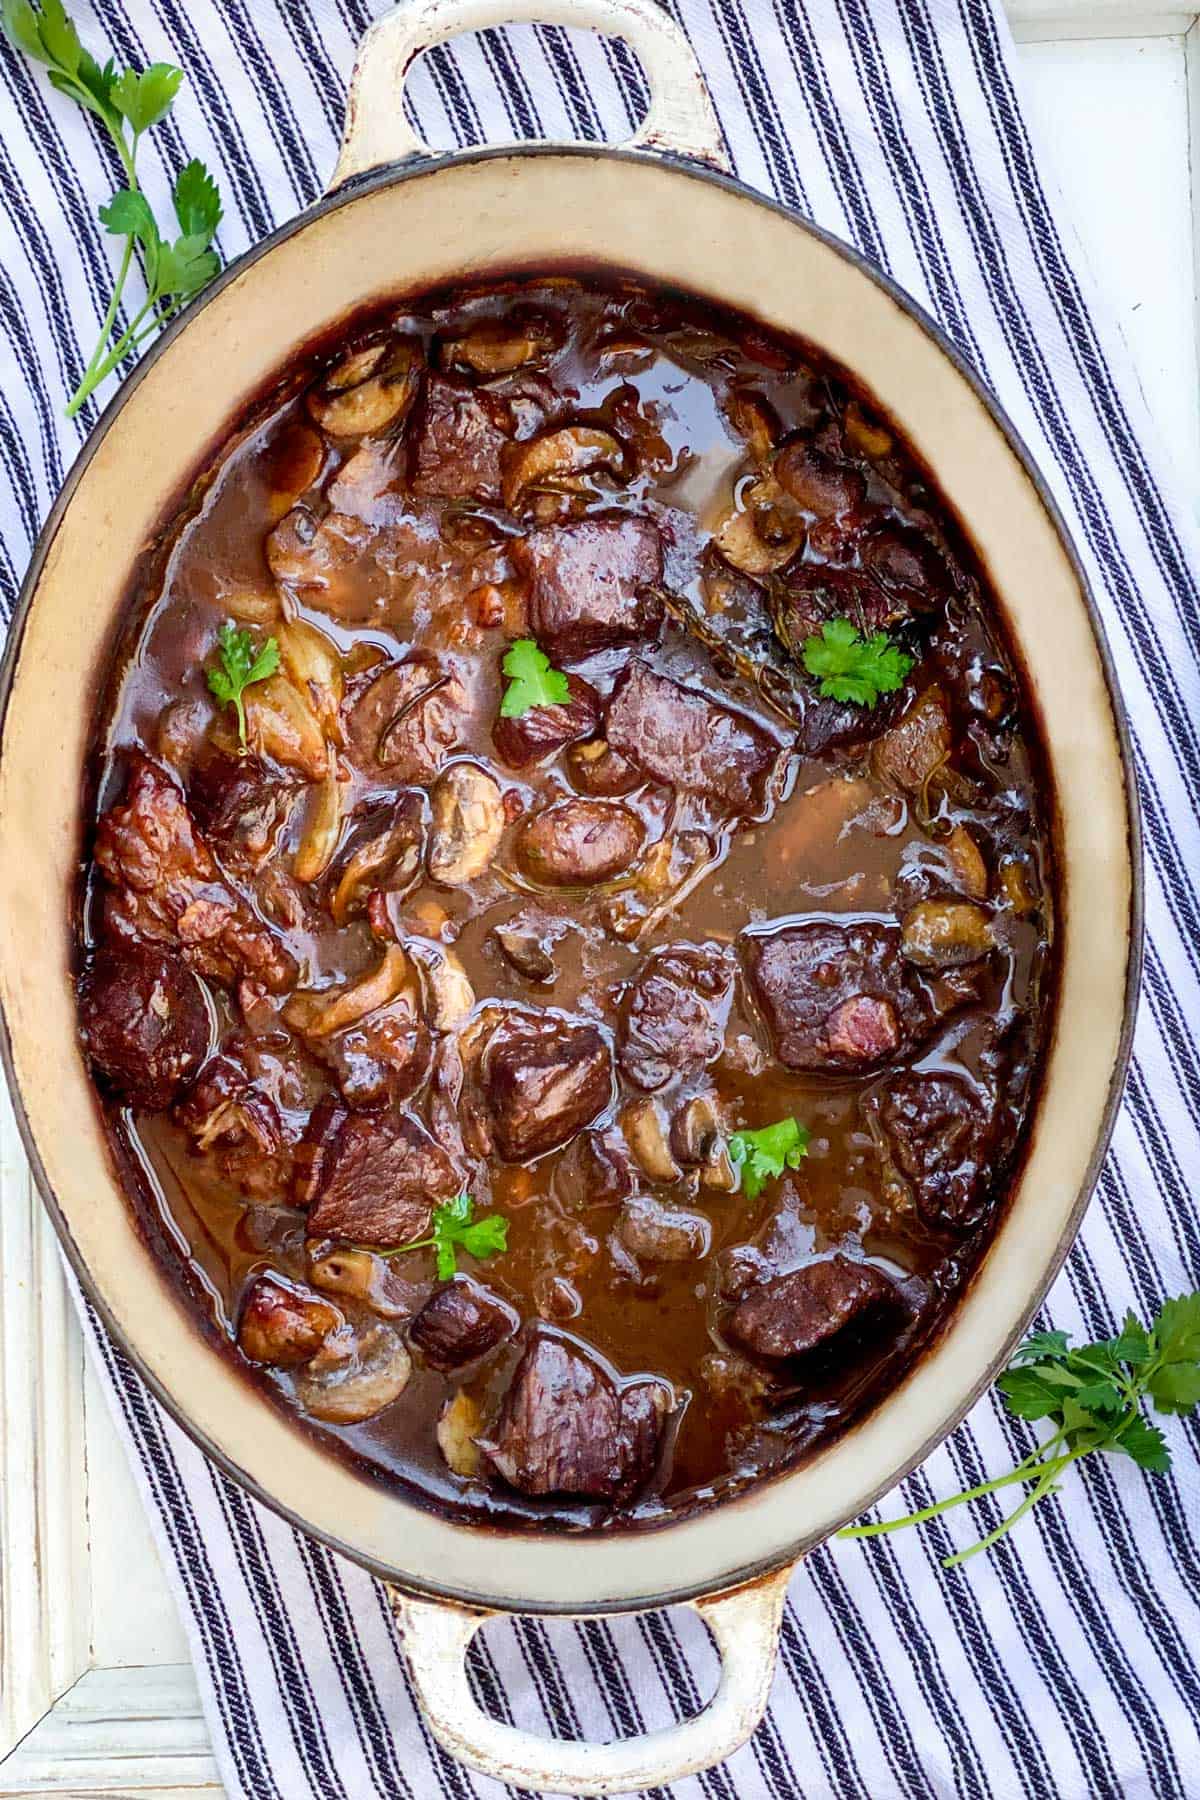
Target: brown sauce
x: 750, y: 903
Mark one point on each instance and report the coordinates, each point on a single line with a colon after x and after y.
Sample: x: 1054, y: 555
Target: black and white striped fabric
x: 1064, y: 1664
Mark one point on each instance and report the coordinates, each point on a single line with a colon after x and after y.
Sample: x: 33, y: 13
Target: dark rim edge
x: 386, y: 176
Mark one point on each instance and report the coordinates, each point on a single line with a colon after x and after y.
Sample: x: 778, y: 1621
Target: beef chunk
x: 383, y: 1175
x: 168, y: 886
x: 836, y: 996
x: 566, y: 1428
x: 917, y: 744
x: 678, y: 735
x: 795, y: 1312
x: 459, y: 436
x: 576, y: 843
x: 912, y: 572
x: 460, y: 1322
x: 407, y: 721
x: 673, y: 1019
x: 239, y: 806
x: 655, y: 1232
x: 144, y: 1022
x: 248, y: 1110
x: 284, y: 1326
x: 941, y: 1130
x: 310, y: 1165
x: 544, y: 730
x: 386, y: 1057
x: 545, y: 1076
x: 587, y: 582
x: 597, y: 1170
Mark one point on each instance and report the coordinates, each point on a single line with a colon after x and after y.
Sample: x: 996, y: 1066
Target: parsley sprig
x: 455, y: 1228
x: 763, y: 1155
x: 852, y: 668
x: 128, y: 103
x: 241, y: 665
x: 1093, y: 1397
x: 531, y: 680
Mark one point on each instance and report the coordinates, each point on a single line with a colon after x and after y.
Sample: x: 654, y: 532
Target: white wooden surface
x: 96, y: 1695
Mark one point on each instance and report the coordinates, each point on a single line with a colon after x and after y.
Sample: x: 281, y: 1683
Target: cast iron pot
x: 396, y: 218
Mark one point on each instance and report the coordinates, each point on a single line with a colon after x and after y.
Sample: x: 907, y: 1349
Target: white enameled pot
x: 398, y: 218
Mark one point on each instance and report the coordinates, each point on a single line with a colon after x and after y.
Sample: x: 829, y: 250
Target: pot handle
x: 680, y: 117
x: 745, y: 1623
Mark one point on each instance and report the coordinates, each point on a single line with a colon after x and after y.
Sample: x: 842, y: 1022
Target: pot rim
x: 394, y: 174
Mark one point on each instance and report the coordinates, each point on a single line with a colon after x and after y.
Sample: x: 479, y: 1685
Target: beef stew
x: 570, y: 1037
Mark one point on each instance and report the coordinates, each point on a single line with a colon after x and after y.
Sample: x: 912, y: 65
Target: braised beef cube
x: 812, y: 593
x: 656, y: 1232
x: 168, y: 886
x: 915, y: 575
x: 941, y: 1132
x: 544, y: 730
x: 459, y: 435
x: 677, y: 735
x: 587, y: 583
x: 407, y: 721
x: 545, y: 1076
x: 565, y: 1427
x: 596, y: 1170
x: 794, y: 1313
x: 248, y: 1111
x: 144, y: 1021
x: 459, y: 1323
x: 673, y: 1018
x: 284, y: 1326
x: 916, y: 746
x: 383, y: 1176
x: 836, y: 996
x: 239, y: 806
x: 816, y: 482
x: 385, y: 1057
x: 577, y: 843
x: 311, y: 1162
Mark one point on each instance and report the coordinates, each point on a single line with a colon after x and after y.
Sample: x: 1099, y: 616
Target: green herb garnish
x: 853, y: 668
x: 531, y: 680
x: 241, y: 664
x: 763, y: 1155
x: 128, y: 104
x: 1093, y: 1397
x: 455, y: 1229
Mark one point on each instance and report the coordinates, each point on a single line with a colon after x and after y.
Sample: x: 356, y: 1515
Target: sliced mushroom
x: 459, y: 1424
x: 319, y: 1012
x: 944, y: 934
x: 387, y: 857
x: 314, y: 667
x: 362, y: 1384
x: 368, y: 391
x: 865, y: 434
x: 292, y: 462
x: 281, y: 724
x: 966, y: 863
x: 696, y: 1128
x: 763, y: 533
x: 319, y: 843
x: 449, y: 995
x: 641, y: 1123
x: 1017, y: 886
x: 556, y: 461
x: 361, y: 1275
x: 498, y: 346
x: 657, y: 1233
x: 468, y: 823
x: 753, y: 419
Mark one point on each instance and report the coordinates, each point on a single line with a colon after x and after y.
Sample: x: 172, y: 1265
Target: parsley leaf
x: 129, y: 103
x: 531, y: 680
x: 1093, y: 1396
x: 853, y: 668
x: 241, y: 665
x: 455, y: 1228
x: 763, y: 1155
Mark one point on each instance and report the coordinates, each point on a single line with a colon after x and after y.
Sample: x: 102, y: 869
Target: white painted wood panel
x: 95, y: 1692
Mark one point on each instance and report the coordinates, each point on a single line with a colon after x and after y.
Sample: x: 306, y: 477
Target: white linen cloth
x: 1064, y: 1663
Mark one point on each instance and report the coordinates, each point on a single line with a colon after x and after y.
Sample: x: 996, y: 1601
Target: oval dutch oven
x: 398, y: 218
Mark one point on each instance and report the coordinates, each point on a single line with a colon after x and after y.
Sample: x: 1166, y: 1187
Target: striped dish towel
x: 1063, y: 1664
